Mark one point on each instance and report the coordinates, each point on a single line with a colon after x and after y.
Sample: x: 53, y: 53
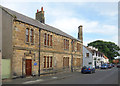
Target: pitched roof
x: 88, y: 49
x: 92, y: 50
x: 23, y: 18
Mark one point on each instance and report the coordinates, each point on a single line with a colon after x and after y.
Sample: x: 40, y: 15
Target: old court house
x: 37, y: 48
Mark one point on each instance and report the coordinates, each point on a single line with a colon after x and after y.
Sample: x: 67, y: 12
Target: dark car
x: 118, y: 66
x: 104, y: 66
x: 87, y: 69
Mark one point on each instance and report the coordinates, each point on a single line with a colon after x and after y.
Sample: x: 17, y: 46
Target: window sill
x: 27, y: 43
x: 48, y: 46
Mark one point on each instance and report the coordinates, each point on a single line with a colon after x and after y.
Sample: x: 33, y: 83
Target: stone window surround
x: 66, y: 65
x: 29, y: 36
x: 46, y: 45
x: 46, y: 62
x: 66, y: 47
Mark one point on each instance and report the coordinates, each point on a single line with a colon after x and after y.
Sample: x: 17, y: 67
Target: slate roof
x: 92, y: 50
x: 88, y: 49
x: 34, y: 22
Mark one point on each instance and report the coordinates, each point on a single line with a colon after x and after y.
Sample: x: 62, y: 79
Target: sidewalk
x: 35, y: 79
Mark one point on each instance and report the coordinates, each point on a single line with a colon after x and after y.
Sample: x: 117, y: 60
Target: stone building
x: 37, y: 48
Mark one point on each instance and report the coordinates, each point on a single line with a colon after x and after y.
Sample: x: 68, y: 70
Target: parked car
x: 87, y: 69
x: 113, y: 65
x: 97, y: 67
x: 109, y: 65
x: 104, y: 66
x: 118, y: 65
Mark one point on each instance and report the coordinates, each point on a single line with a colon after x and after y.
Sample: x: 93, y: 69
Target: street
x: 102, y: 76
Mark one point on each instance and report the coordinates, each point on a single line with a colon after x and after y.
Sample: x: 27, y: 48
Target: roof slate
x: 25, y: 19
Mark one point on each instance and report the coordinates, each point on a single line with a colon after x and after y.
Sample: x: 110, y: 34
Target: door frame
x: 26, y: 69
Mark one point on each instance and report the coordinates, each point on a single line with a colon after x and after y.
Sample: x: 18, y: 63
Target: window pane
x: 45, y: 39
x: 64, y: 43
x: 31, y: 36
x: 27, y: 31
x: 27, y: 35
x: 44, y: 61
x: 48, y: 40
x: 48, y: 62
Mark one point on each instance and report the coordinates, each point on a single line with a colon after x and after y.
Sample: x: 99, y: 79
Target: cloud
x: 70, y: 25
x: 68, y: 17
x: 107, y: 9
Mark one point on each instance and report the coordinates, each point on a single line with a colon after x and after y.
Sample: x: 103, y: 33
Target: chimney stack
x: 80, y: 35
x: 40, y: 15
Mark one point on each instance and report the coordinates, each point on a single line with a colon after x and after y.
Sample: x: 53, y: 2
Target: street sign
x: 35, y: 64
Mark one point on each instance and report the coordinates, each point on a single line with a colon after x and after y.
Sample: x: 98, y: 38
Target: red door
x: 28, y: 67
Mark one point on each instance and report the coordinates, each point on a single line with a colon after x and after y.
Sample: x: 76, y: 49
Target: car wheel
x: 82, y: 72
x: 90, y: 72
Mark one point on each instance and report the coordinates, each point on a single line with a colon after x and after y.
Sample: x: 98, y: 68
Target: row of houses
x: 93, y: 57
x: 31, y: 47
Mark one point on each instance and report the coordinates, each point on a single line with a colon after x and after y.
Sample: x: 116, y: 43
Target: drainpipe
x: 72, y: 57
x: 39, y: 53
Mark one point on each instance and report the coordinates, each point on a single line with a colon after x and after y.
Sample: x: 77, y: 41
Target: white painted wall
x: 86, y: 60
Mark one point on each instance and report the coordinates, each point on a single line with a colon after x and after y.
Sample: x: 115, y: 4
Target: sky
x: 99, y: 19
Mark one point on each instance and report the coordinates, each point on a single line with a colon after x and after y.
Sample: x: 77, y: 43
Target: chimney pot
x: 41, y: 8
x: 37, y: 10
x: 40, y: 15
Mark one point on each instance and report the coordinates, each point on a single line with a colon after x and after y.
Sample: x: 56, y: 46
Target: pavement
x: 101, y: 76
x: 35, y: 79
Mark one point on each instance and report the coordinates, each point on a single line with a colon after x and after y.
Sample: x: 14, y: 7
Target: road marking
x: 30, y: 82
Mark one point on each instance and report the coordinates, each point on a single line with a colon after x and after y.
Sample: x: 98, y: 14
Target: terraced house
x: 36, y: 48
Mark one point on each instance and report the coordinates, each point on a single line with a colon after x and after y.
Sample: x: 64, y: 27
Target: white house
x: 98, y: 58
x: 87, y: 57
x: 93, y: 57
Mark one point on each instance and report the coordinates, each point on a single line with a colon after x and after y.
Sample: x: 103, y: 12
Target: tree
x: 110, y: 49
